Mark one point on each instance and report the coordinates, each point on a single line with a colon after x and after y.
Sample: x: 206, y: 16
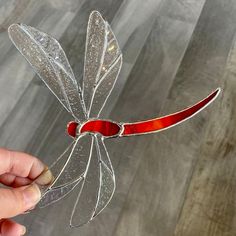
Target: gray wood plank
x: 157, y: 191
x: 209, y: 208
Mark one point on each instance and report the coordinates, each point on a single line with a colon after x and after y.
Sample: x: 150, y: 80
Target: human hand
x: 18, y: 171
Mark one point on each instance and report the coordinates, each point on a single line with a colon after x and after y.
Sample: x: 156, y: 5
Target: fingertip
x: 45, y: 178
x: 23, y: 230
x: 11, y: 228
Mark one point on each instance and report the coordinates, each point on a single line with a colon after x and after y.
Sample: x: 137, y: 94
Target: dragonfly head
x: 105, y: 127
x: 72, y: 127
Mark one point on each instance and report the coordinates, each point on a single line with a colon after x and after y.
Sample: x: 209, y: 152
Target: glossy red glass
x: 164, y: 122
x: 104, y: 127
x: 109, y: 128
x: 71, y: 128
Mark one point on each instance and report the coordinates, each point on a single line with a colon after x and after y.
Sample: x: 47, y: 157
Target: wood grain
x: 209, y: 208
x: 157, y: 191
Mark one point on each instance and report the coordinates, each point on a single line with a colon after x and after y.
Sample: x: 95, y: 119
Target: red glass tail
x: 168, y: 121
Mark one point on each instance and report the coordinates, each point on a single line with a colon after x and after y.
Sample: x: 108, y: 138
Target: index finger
x: 20, y: 164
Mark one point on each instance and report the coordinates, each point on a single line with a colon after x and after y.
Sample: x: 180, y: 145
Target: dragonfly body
x: 85, y: 165
x: 109, y: 129
x: 106, y: 128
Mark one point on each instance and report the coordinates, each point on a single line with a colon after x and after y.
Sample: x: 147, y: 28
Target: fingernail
x: 31, y: 196
x: 45, y: 178
x: 23, y: 230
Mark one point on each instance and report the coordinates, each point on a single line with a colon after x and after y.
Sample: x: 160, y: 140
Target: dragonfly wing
x: 85, y: 165
x: 68, y: 170
x: 104, y: 88
x: 55, y: 194
x: 111, y: 66
x: 86, y: 202
x: 48, y: 59
x: 98, y: 186
x: 112, y: 51
x: 107, y: 177
x: 103, y: 61
x: 76, y: 163
x: 94, y: 53
x: 57, y: 166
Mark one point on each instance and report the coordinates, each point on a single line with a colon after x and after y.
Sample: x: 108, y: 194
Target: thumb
x: 18, y: 200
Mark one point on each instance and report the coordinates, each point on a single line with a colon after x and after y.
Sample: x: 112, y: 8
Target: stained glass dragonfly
x: 85, y: 165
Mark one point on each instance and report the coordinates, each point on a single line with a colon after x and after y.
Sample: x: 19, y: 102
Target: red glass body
x: 104, y: 127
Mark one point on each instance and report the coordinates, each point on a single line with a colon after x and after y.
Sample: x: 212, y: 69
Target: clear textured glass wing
x: 107, y: 177
x: 57, y: 165
x: 102, y: 64
x: 104, y: 88
x: 86, y: 202
x: 55, y: 168
x: 76, y: 162
x: 53, y: 195
x: 94, y: 53
x: 97, y: 188
x: 49, y: 61
x: 103, y: 154
x: 86, y: 166
x: 68, y: 170
x: 112, y: 51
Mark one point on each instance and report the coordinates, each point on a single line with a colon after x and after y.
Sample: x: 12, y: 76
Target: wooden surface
x: 177, y: 182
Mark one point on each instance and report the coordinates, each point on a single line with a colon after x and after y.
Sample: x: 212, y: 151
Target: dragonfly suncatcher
x: 85, y: 165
